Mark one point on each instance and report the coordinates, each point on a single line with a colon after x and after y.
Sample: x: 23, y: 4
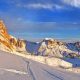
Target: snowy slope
x: 13, y: 67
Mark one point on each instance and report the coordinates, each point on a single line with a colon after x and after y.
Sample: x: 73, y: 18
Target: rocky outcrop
x: 8, y: 42
x: 5, y: 37
x: 51, y: 47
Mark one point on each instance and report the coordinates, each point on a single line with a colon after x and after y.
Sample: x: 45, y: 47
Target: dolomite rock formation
x: 8, y: 42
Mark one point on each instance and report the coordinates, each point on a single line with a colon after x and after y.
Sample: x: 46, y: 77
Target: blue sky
x: 42, y: 18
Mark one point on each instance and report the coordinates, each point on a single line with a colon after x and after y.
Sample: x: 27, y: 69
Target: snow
x: 13, y: 67
x: 46, y: 60
x: 49, y: 39
x: 43, y: 44
x: 13, y: 71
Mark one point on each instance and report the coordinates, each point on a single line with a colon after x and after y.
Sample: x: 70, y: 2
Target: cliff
x: 8, y: 42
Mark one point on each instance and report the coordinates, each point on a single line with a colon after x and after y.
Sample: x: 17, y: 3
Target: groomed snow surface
x: 14, y: 67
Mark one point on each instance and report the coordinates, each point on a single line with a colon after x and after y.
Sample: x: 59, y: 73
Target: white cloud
x: 48, y: 6
x: 39, y: 5
x: 74, y: 3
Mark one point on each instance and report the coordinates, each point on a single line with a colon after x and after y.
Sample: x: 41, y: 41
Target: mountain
x: 8, y: 42
x: 46, y: 47
x: 51, y: 47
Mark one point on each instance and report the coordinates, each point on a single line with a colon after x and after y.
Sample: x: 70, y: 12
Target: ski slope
x: 13, y: 67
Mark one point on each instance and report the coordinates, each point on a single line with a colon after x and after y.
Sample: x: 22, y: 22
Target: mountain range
x: 46, y: 47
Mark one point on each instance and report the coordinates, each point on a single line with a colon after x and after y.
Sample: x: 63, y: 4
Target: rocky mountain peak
x: 9, y: 42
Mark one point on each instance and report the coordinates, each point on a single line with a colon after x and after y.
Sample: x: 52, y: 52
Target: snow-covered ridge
x: 47, y: 47
x: 48, y: 39
x: 51, y: 47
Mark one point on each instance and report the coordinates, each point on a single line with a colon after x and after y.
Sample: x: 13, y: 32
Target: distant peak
x: 49, y: 39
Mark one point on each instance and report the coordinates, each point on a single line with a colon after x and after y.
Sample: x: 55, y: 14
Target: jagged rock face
x: 50, y: 48
x: 58, y: 49
x: 20, y: 46
x: 3, y: 31
x: 44, y: 48
x: 4, y: 37
x: 8, y: 42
